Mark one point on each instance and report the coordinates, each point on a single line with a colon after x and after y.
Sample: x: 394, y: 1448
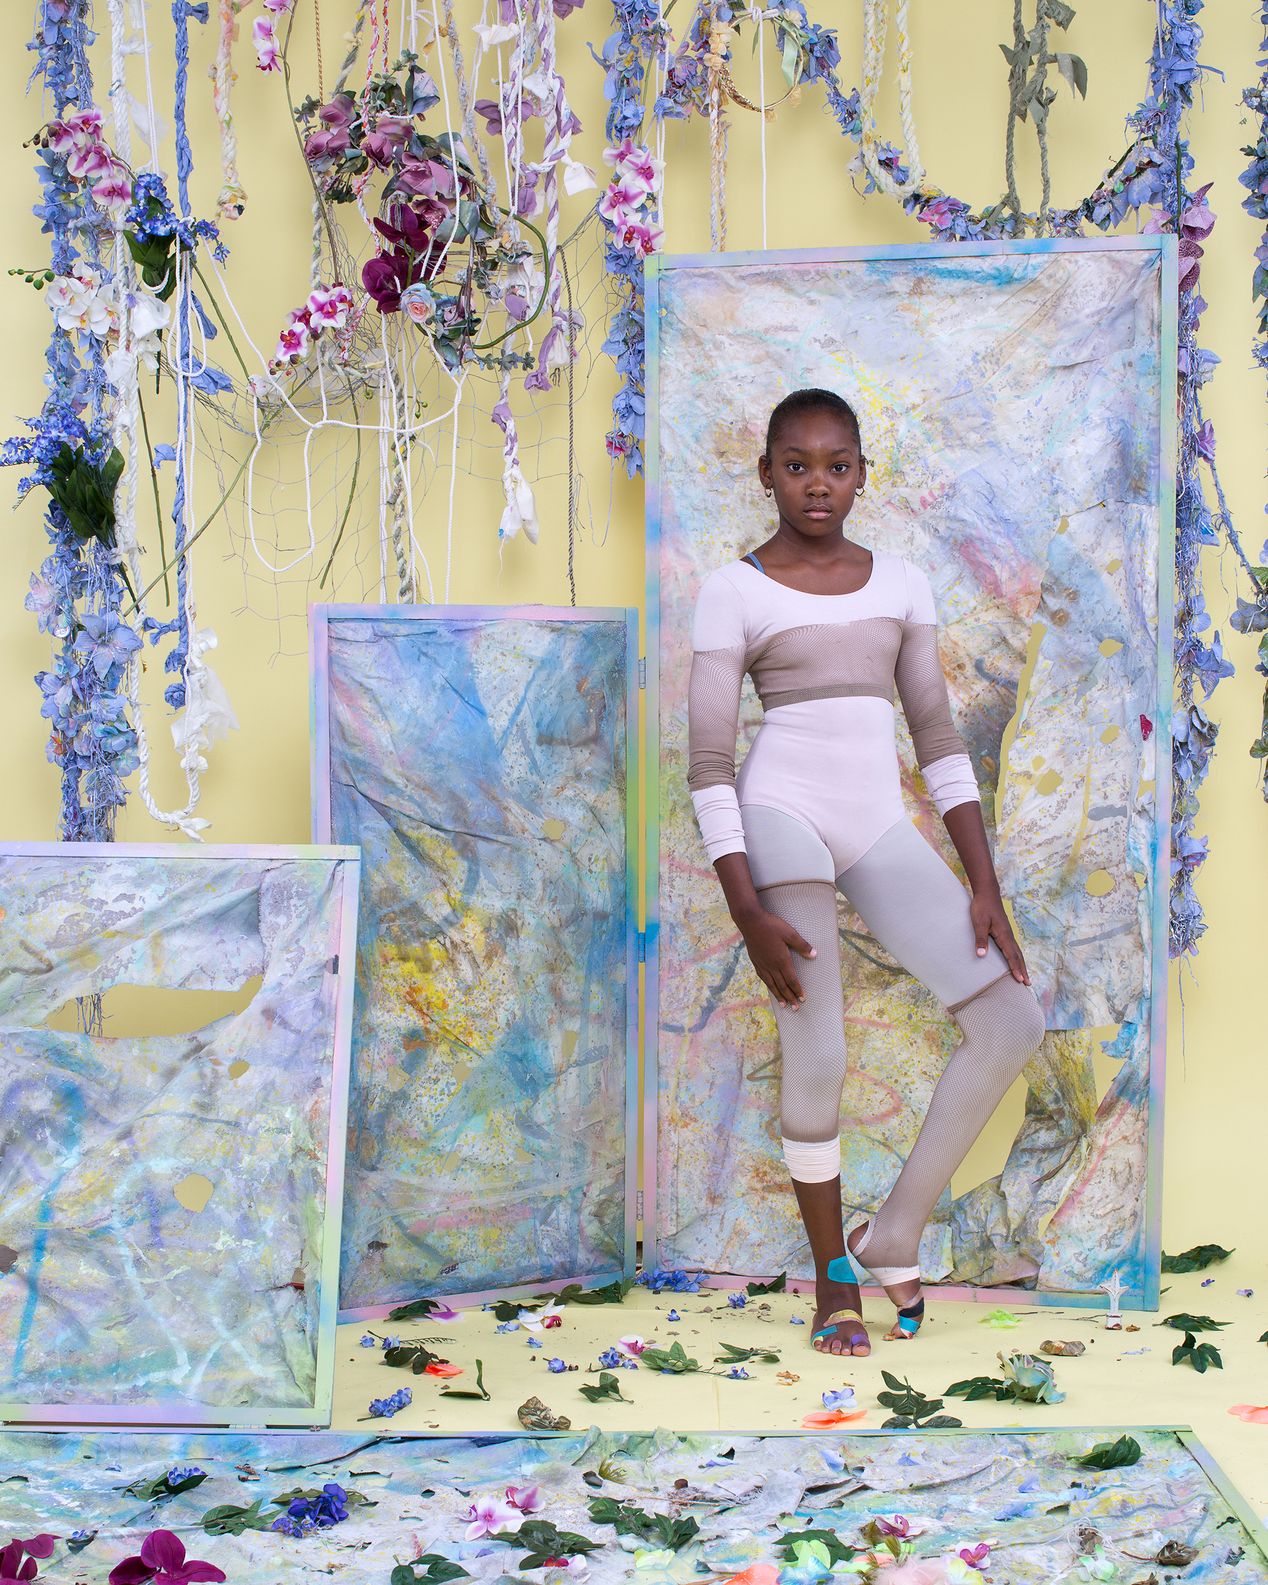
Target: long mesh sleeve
x: 922, y: 687
x: 713, y: 712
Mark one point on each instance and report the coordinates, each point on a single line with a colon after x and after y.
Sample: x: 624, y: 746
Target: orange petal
x: 825, y: 1419
x: 756, y: 1574
x: 442, y: 1370
x: 1256, y: 1414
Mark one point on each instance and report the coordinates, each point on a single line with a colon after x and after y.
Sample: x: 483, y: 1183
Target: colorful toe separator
x: 843, y: 1269
x: 833, y: 1320
x: 909, y: 1319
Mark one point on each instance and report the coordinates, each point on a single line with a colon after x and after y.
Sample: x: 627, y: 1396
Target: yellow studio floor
x: 1123, y: 1379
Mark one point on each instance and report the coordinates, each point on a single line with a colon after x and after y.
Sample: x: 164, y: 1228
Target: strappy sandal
x: 853, y: 1268
x: 832, y: 1324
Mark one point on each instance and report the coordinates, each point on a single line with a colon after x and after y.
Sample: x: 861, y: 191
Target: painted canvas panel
x: 480, y: 757
x: 1013, y: 1500
x: 1015, y: 410
x: 169, y: 1202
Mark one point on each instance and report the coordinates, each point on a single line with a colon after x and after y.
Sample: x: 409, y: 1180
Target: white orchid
x: 535, y: 1320
x: 79, y: 302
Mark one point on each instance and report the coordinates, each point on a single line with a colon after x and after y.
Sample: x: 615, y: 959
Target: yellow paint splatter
x: 569, y: 1043
x: 1114, y: 565
x: 193, y: 1191
x: 1109, y: 646
x: 1049, y: 781
x: 238, y: 1068
x: 1109, y: 734
x: 1039, y: 761
x: 1099, y: 883
x: 1063, y: 525
x: 552, y: 830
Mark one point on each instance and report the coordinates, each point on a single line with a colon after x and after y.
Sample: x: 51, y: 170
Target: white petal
x: 494, y: 33
x: 577, y: 177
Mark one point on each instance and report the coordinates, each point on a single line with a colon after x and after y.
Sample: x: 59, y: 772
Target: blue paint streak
x: 73, y: 1111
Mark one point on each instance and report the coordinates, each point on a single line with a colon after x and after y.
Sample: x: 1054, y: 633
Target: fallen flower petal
x: 825, y: 1419
x: 1254, y: 1414
x: 442, y: 1369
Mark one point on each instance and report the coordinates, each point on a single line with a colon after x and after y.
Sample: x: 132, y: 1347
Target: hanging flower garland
x: 1251, y: 616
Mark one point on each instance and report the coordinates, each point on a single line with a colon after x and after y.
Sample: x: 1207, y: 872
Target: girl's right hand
x: 771, y: 942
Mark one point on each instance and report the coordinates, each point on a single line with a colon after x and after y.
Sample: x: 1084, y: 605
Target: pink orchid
x: 975, y: 1556
x: 163, y: 1561
x: 897, y: 1526
x: 644, y: 239
x: 266, y: 45
x: 528, y: 1499
x: 438, y: 1312
x: 489, y: 1515
x: 80, y: 129
x: 88, y: 162
x: 621, y: 152
x: 292, y: 344
x: 328, y: 309
x: 632, y: 1345
x: 114, y: 190
x: 623, y: 195
x: 632, y: 159
x: 279, y: 7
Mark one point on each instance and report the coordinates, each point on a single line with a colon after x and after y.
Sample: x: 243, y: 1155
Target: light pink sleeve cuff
x: 951, y: 781
x: 718, y: 815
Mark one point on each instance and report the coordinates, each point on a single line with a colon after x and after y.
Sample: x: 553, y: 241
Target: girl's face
x: 815, y: 470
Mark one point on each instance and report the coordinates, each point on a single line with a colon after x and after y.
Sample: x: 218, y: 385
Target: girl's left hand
x: 991, y: 922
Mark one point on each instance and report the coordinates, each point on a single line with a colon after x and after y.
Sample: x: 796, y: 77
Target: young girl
x: 828, y: 630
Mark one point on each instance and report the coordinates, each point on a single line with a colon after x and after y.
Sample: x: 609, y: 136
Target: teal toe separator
x: 910, y: 1324
x: 843, y: 1269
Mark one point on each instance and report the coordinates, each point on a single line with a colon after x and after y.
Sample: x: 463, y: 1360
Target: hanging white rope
x: 875, y: 30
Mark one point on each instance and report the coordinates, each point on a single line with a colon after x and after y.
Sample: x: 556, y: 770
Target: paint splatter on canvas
x: 480, y: 760
x: 1011, y: 413
x: 163, y: 1197
x: 691, y: 1507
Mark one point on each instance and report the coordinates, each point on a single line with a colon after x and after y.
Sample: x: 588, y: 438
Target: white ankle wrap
x: 813, y: 1163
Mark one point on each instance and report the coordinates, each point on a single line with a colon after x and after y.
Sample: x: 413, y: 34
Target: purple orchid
x: 17, y: 1569
x: 162, y: 1559
x: 387, y: 276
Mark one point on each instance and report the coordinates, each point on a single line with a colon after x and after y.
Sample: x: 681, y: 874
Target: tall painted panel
x: 480, y: 756
x: 1017, y: 410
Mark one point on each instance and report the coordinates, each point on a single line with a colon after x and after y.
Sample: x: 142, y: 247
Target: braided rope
x: 469, y: 134
x: 232, y: 199
x: 715, y: 65
x: 875, y: 33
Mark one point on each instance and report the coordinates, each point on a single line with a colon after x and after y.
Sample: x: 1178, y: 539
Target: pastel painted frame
x: 1017, y: 404
x: 485, y: 759
x: 171, y: 1202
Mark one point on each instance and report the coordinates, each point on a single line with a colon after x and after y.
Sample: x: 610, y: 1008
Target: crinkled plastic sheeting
x: 481, y: 757
x: 1015, y: 408
x: 1020, y: 1492
x: 169, y: 1204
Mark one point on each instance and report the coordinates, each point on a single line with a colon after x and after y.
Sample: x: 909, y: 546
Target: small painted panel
x: 169, y: 1202
x: 479, y: 756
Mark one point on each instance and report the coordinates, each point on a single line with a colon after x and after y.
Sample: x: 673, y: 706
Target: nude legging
x: 916, y: 907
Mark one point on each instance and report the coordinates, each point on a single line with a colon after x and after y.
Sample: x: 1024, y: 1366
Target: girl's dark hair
x: 812, y: 400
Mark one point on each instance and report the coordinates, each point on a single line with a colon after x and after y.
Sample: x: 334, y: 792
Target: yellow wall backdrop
x: 256, y: 789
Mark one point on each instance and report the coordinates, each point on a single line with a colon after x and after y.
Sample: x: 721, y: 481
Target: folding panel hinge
x: 642, y: 671
x: 641, y: 938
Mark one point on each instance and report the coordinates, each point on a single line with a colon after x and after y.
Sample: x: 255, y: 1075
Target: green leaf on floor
x: 412, y: 1356
x: 437, y: 1570
x: 673, y: 1360
x: 1112, y: 1455
x: 1192, y: 1323
x: 1200, y: 1355
x: 974, y: 1387
x: 415, y: 1310
x: 161, y: 1488
x: 1196, y: 1259
x: 746, y: 1356
x: 544, y: 1541
x: 228, y: 1519
x: 609, y: 1387
x: 911, y: 1407
x: 478, y: 1391
x: 756, y: 1289
x: 661, y: 1530
x: 1263, y: 1337
x: 838, y: 1551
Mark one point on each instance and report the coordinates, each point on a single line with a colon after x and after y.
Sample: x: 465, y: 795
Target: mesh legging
x: 919, y: 911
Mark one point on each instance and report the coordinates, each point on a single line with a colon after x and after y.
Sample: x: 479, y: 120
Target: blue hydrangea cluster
x: 385, y: 1408
x: 556, y: 1365
x: 738, y: 1373
x: 613, y: 1359
x: 737, y: 1301
x: 661, y: 1281
x: 183, y: 1472
x: 305, y: 1515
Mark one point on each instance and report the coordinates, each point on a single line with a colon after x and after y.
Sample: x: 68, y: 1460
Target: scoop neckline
x: 809, y: 594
